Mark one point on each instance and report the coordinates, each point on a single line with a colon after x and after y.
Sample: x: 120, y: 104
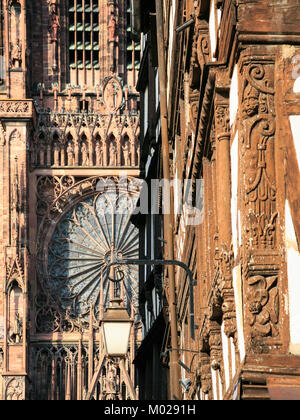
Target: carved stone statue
x: 112, y: 95
x: 111, y: 28
x: 99, y: 154
x: 84, y: 155
x: 16, y: 55
x: 16, y: 331
x: 112, y: 154
x: 56, y: 154
x: 70, y: 91
x: 54, y: 24
x: 126, y: 154
x: 70, y: 154
x: 111, y: 382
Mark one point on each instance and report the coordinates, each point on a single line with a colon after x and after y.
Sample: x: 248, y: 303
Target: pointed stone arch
x: 15, y: 274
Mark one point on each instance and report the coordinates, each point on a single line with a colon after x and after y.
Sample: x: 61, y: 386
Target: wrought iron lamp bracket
x: 165, y: 262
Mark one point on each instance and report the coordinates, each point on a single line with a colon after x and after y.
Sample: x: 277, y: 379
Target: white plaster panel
x: 214, y: 383
x: 212, y: 30
x: 295, y: 125
x: 234, y: 96
x: 232, y: 357
x: 237, y: 286
x: 234, y: 197
x: 297, y: 86
x: 225, y: 357
x: 293, y: 264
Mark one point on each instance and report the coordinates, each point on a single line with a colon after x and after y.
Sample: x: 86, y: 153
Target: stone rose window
x: 86, y: 239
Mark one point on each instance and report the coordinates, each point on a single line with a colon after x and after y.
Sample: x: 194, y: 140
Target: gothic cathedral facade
x: 69, y: 130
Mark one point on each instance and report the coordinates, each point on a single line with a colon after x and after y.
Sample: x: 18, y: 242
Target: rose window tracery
x: 87, y: 238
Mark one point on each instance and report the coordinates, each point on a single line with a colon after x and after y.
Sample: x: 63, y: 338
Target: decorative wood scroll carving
x: 258, y: 153
x: 259, y: 197
x: 205, y: 367
x: 215, y: 345
x: 263, y: 306
x: 200, y: 49
x: 227, y: 292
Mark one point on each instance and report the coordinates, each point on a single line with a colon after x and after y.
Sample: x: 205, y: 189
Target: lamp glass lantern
x: 116, y: 327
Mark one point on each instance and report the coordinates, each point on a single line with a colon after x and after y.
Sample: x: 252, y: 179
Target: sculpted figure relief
x: 126, y: 154
x: 111, y: 382
x: 16, y: 331
x: 112, y: 95
x: 263, y: 311
x: 54, y: 24
x: 84, y: 155
x: 99, y: 154
x: 112, y: 154
x: 70, y: 154
x: 112, y: 28
x: 16, y: 55
x: 56, y: 154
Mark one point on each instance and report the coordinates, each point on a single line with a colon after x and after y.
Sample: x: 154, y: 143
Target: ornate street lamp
x: 116, y: 323
x: 116, y: 327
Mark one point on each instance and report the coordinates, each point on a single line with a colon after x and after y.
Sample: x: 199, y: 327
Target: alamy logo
x: 156, y: 197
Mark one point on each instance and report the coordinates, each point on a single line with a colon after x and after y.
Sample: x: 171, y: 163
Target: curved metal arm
x: 166, y: 262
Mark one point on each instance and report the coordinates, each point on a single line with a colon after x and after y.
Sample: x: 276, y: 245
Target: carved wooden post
x: 223, y: 168
x: 261, y: 251
x: 205, y: 368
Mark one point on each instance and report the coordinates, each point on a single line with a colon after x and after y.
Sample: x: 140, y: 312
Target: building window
x: 133, y: 50
x: 83, y: 40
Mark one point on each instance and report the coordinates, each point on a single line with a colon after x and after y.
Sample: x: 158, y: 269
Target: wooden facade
x: 232, y: 89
